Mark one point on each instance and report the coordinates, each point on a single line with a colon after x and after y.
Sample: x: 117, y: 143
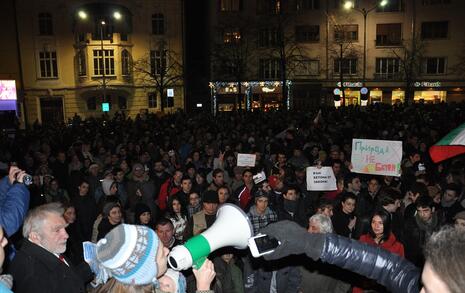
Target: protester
x: 6, y: 281
x: 39, y: 265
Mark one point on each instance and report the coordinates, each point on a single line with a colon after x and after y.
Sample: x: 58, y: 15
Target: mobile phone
x: 262, y: 244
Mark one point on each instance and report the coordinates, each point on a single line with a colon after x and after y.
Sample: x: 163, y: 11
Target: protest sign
x: 246, y: 160
x: 321, y: 179
x: 377, y: 157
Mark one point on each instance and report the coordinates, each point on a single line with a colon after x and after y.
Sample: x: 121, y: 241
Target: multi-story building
x: 394, y: 48
x: 86, y: 57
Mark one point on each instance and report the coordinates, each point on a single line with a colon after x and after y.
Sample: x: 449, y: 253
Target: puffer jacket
x: 389, y: 270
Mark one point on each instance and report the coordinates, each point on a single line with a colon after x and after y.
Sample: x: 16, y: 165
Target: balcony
x: 388, y: 76
x: 384, y: 41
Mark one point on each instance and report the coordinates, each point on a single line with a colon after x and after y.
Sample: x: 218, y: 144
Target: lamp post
x: 102, y: 52
x: 350, y: 5
x: 116, y: 15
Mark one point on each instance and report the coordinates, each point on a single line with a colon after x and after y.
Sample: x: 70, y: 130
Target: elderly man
x: 39, y: 266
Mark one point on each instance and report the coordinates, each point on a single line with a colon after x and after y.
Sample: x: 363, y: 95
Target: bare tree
x: 459, y: 67
x: 342, y: 49
x: 410, y: 57
x: 159, y: 69
x: 232, y: 55
x: 285, y: 48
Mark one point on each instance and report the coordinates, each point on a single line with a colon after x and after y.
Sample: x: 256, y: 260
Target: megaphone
x: 232, y: 227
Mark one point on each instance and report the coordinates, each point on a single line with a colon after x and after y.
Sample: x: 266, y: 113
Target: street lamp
x: 351, y: 5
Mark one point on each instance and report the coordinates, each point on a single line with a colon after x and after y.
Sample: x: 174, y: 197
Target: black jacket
x: 36, y: 270
x: 390, y: 270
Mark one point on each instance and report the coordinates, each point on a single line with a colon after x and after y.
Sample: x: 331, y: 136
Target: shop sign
x: 337, y: 92
x: 350, y: 84
x: 364, y: 91
x: 427, y: 84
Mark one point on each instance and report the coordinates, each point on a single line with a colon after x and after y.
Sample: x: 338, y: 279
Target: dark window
x: 346, y: 32
x: 158, y: 62
x: 307, y: 67
x: 391, y: 6
x: 307, y: 33
x: 387, y: 68
x: 152, y: 100
x: 81, y: 63
x: 268, y: 38
x: 308, y: 4
x: 389, y: 34
x: 45, y: 24
x: 349, y: 66
x: 269, y: 68
x: 48, y: 64
x: 168, y: 102
x: 434, y: 65
x: 103, y: 31
x: 435, y: 2
x: 230, y: 5
x: 122, y: 103
x: 158, y: 24
x: 123, y: 37
x: 107, y: 63
x: 434, y: 30
x: 81, y: 37
x: 125, y: 62
x: 268, y: 6
x: 92, y: 103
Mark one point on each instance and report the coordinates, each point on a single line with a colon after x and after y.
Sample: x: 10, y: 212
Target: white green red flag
x: 451, y: 145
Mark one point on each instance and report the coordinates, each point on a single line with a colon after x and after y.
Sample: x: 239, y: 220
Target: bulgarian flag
x: 451, y: 145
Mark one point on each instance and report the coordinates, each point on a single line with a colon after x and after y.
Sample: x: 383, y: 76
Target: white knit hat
x: 178, y: 279
x: 129, y: 252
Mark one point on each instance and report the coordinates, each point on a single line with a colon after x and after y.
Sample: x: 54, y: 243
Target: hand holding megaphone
x: 231, y: 228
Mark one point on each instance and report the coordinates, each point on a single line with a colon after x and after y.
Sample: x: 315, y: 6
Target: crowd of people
x: 94, y: 179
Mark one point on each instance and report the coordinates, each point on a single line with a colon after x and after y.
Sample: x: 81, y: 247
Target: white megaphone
x: 232, y: 227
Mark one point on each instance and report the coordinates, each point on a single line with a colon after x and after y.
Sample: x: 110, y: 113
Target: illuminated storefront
x: 429, y: 92
x: 254, y: 95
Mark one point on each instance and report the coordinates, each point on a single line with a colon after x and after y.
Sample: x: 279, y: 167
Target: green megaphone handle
x: 199, y: 248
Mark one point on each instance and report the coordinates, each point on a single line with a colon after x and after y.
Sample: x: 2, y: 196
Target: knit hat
x: 178, y: 279
x: 139, y: 209
x: 128, y: 253
x: 106, y: 186
x: 210, y: 196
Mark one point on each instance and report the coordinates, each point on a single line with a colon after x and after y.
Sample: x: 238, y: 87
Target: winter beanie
x: 129, y: 252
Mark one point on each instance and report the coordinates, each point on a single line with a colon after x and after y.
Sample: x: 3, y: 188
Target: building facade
x: 87, y: 57
x: 394, y: 48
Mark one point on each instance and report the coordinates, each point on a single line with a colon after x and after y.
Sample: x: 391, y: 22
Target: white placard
x: 378, y: 157
x: 246, y: 160
x: 321, y: 179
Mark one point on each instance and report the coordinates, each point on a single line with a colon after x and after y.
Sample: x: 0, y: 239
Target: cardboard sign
x: 321, y: 179
x: 378, y: 157
x: 246, y: 160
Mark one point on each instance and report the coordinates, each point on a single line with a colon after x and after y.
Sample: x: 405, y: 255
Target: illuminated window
x: 158, y: 24
x: 48, y: 64
x: 347, y: 32
x: 269, y: 68
x: 105, y: 66
x: 158, y: 62
x: 81, y: 63
x: 45, y: 24
x: 125, y: 63
x: 307, y: 33
x: 230, y: 5
x: 349, y: 66
x: 231, y: 36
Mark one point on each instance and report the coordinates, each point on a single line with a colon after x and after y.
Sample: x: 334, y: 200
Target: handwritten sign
x: 378, y: 157
x: 246, y: 160
x: 321, y: 179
